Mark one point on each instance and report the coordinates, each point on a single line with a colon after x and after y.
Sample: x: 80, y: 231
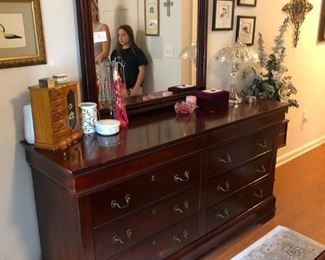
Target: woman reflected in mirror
x: 102, y: 45
x: 133, y: 58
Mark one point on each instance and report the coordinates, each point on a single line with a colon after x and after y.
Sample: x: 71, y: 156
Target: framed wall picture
x: 223, y: 15
x: 245, y: 31
x: 321, y: 34
x: 21, y: 34
x: 246, y: 2
x: 151, y: 11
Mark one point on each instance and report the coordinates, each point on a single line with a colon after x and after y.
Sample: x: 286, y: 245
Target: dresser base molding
x: 282, y: 159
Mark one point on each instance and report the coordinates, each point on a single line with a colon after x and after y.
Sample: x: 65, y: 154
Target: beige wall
x: 18, y: 225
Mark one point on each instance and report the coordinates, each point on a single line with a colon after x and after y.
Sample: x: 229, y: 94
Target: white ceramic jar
x: 88, y: 114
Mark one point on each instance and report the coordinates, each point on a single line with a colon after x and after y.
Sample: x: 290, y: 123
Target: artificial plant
x: 272, y: 82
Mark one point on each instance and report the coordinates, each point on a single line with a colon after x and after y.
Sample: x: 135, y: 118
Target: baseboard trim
x: 299, y: 151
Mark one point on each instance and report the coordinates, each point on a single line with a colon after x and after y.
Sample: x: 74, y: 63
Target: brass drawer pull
x: 226, y: 188
x: 115, y: 204
x: 129, y: 233
x: 186, y: 177
x: 224, y: 159
x: 223, y: 215
x: 262, y: 143
x: 259, y: 194
x: 117, y: 240
x: 260, y: 168
x: 178, y: 209
x: 178, y: 239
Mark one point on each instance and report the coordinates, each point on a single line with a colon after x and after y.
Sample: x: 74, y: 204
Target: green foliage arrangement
x: 271, y: 82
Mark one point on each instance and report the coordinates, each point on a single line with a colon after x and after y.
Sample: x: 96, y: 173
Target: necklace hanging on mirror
x: 120, y: 106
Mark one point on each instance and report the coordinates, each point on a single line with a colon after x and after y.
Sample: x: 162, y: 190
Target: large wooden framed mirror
x: 136, y: 104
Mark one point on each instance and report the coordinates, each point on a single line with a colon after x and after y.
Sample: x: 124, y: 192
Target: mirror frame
x: 83, y: 8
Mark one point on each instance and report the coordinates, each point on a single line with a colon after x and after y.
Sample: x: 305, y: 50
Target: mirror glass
x: 177, y: 27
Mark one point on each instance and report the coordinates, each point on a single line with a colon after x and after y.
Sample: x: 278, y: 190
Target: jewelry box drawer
x: 123, y: 198
x: 54, y: 94
x: 222, y: 186
x: 60, y: 135
x: 59, y: 125
x: 134, y: 228
x: 59, y: 114
x: 234, y: 154
x: 57, y: 105
x: 164, y: 243
x: 238, y: 203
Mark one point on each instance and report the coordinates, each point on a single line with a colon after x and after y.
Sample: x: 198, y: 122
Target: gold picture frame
x: 151, y: 17
x: 21, y: 34
x: 321, y: 33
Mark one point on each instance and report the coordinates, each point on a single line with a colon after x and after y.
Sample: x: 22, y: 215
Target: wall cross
x: 168, y: 4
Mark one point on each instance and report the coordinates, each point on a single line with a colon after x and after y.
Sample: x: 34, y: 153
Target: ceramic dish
x: 107, y: 126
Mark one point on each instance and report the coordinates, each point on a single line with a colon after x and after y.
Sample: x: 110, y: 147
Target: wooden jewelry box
x: 55, y: 115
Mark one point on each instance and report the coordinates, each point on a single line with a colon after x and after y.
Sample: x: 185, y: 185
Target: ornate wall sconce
x: 297, y: 10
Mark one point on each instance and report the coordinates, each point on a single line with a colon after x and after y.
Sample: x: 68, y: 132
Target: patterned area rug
x: 282, y: 243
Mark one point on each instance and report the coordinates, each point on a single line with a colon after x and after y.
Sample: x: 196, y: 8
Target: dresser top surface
x: 148, y: 133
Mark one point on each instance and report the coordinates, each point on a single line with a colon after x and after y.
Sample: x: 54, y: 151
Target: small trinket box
x: 46, y: 83
x: 60, y: 78
x: 212, y: 99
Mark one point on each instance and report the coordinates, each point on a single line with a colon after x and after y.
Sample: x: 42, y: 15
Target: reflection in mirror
x: 165, y: 68
x: 176, y: 32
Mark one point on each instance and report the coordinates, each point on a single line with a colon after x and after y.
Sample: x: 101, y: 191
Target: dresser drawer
x: 138, y: 192
x: 222, y: 186
x: 234, y: 154
x: 134, y: 228
x: 238, y: 203
x: 164, y: 243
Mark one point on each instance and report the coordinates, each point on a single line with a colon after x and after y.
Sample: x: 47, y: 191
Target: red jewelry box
x: 181, y: 88
x: 212, y: 99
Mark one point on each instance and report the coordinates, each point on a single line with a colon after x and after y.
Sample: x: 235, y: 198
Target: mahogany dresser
x: 165, y: 187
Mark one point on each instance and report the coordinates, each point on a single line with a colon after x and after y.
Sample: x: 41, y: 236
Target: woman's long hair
x: 94, y: 2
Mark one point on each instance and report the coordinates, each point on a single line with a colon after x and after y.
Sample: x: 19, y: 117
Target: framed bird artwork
x: 21, y: 34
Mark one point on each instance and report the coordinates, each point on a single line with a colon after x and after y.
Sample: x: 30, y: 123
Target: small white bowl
x: 107, y: 126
